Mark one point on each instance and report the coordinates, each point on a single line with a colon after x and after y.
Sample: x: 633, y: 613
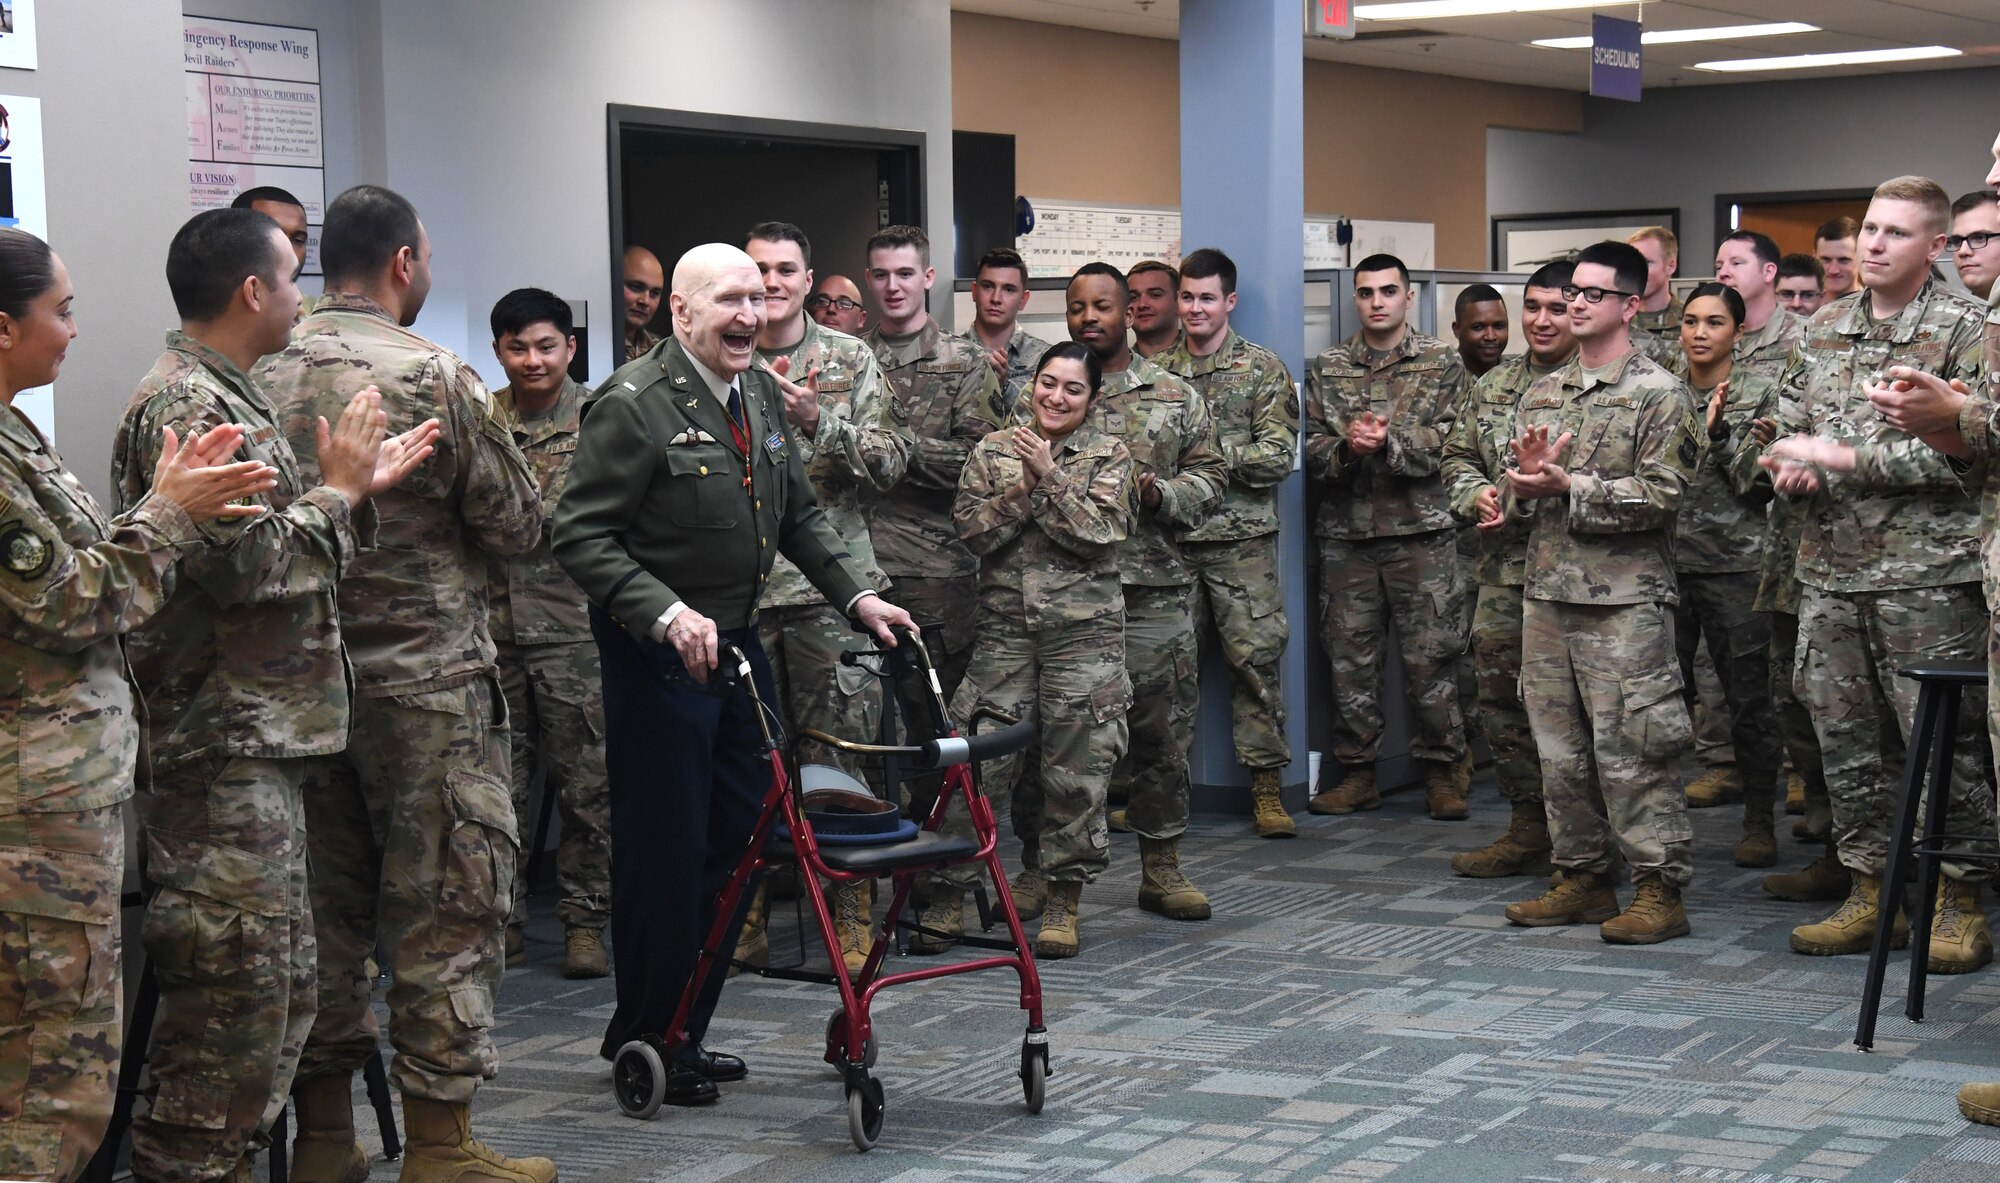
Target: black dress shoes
x: 687, y: 1087
x: 712, y: 1068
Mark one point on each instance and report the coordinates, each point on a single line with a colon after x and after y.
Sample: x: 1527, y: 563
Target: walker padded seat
x: 927, y: 847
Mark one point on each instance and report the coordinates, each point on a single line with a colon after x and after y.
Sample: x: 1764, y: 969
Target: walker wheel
x: 864, y: 1113
x: 836, y: 1047
x: 639, y: 1079
x: 1034, y: 1077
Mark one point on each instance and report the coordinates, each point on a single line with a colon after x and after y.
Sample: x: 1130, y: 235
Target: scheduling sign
x: 1616, y: 59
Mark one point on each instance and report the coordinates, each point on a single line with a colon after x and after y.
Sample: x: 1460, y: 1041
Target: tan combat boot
x: 326, y: 1150
x: 1822, y: 879
x: 945, y: 916
x: 1445, y: 786
x: 1656, y: 915
x: 1851, y: 929
x: 583, y: 953
x: 854, y: 921
x: 1980, y: 1102
x: 753, y: 944
x: 1355, y: 791
x: 1522, y: 850
x: 438, y: 1147
x: 1267, y: 806
x: 1961, y: 941
x: 1759, y: 845
x: 1163, y: 887
x: 517, y: 942
x: 1715, y: 786
x: 1118, y: 821
x: 1030, y: 890
x: 1060, y: 937
x: 1815, y: 822
x: 1576, y: 897
x: 1795, y: 794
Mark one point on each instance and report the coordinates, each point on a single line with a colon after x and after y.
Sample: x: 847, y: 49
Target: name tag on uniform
x: 776, y: 443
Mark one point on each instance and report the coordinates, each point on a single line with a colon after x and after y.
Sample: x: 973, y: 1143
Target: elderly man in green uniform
x: 999, y: 296
x: 1890, y: 561
x: 1255, y: 409
x: 414, y: 840
x: 837, y: 405
x: 1608, y: 445
x: 1963, y: 421
x: 1378, y: 408
x: 548, y: 665
x: 243, y: 677
x: 946, y: 396
x: 1474, y: 466
x: 1165, y: 424
x: 686, y: 487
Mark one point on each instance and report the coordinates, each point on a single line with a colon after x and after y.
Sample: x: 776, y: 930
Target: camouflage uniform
x: 1051, y: 640
x: 1024, y: 353
x: 1763, y: 355
x: 552, y: 681
x: 1234, y: 553
x: 1890, y: 561
x: 1658, y: 336
x: 1475, y: 455
x: 853, y: 450
x: 1979, y: 424
x: 243, y: 676
x: 1388, y: 542
x: 413, y: 831
x: 71, y: 580
x: 639, y: 346
x: 1599, y: 674
x: 1717, y: 538
x: 946, y: 399
x: 1165, y: 426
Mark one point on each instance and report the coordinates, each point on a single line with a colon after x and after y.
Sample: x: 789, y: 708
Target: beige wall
x: 1096, y: 117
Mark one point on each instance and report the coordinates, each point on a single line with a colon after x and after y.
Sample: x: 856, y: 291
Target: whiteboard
x: 1068, y: 234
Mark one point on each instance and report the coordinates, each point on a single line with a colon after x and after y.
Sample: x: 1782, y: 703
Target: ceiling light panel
x: 1821, y: 61
x: 1676, y: 36
x: 1425, y: 10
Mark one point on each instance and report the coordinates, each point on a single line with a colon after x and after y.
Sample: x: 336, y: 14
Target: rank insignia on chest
x: 776, y: 443
x: 24, y: 552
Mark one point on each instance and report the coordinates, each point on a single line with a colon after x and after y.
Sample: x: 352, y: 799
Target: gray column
x: 1243, y: 190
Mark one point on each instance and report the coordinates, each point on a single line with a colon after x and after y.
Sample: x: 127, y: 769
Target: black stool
x: 1932, y: 738
x: 138, y: 1044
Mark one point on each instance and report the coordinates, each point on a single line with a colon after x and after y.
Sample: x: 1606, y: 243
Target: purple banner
x: 1616, y: 59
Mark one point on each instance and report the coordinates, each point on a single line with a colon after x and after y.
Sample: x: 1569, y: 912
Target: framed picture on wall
x: 1523, y: 242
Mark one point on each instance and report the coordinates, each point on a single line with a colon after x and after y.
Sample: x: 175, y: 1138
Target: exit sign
x: 1330, y: 18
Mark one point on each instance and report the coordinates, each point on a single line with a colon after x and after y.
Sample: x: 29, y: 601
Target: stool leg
x: 1928, y: 860
x: 376, y: 1078
x: 280, y: 1134
x: 1914, y: 762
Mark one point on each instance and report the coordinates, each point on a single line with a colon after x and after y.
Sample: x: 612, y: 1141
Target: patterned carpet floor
x: 1353, y: 1012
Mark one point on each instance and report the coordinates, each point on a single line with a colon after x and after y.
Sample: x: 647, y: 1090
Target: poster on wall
x: 17, y: 34
x: 23, y: 203
x: 253, y: 115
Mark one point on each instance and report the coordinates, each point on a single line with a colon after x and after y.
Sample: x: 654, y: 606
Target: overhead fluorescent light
x: 1428, y: 10
x: 1676, y: 36
x: 1815, y: 61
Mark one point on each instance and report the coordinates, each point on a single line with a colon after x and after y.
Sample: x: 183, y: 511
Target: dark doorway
x: 682, y: 178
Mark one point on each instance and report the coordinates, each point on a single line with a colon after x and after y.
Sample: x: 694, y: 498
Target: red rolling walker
x: 638, y: 1074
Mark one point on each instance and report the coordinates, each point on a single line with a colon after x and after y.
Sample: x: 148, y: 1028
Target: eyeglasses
x: 1593, y: 295
x: 822, y: 303
x: 1976, y: 241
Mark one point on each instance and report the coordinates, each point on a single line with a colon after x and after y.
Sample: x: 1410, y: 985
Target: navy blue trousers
x: 688, y: 778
